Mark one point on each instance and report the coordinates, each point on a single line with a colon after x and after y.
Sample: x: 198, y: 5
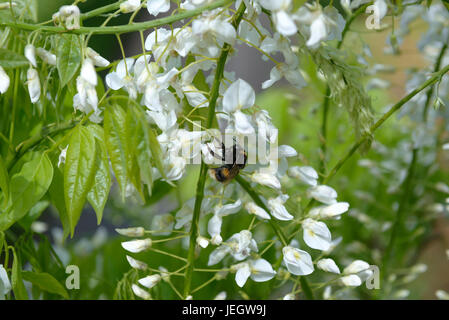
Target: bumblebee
x: 230, y: 169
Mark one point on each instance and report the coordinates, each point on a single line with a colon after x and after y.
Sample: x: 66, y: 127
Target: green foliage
x: 79, y: 172
x: 10, y: 59
x: 45, y: 282
x: 68, y: 57
x: 27, y: 187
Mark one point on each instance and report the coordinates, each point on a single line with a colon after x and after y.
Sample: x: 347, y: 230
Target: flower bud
x: 129, y: 6
x: 135, y: 246
x: 136, y: 264
x: 131, y: 232
x: 98, y: 60
x: 150, y: 281
x: 46, y: 56
x: 138, y: 291
x: 30, y: 54
x: 202, y: 242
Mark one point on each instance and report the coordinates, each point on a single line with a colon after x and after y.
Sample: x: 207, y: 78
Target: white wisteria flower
x: 30, y: 54
x: 283, y: 21
x: 4, y: 80
x: 34, y: 85
x: 240, y: 95
x: 136, y: 246
x: 298, y: 262
x: 329, y: 211
x: 328, y: 265
x: 253, y: 208
x: 323, y: 194
x: 136, y: 264
x: 131, y: 232
x: 319, y: 24
x: 351, y: 280
x: 46, y: 56
x: 239, y: 245
x: 259, y: 270
x: 155, y: 7
x: 5, y: 284
x: 68, y: 16
x: 130, y: 5
x: 150, y: 281
x: 220, y: 211
x: 62, y: 156
x: 202, y: 242
x: 316, y: 234
x: 138, y: 291
x: 97, y: 59
x: 306, y: 174
x: 278, y: 209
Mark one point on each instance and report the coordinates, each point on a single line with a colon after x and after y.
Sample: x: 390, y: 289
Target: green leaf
x: 143, y: 150
x: 18, y: 287
x: 54, y: 192
x: 28, y: 186
x: 132, y: 129
x: 10, y: 59
x: 68, y: 57
x: 4, y: 180
x: 45, y: 282
x: 79, y: 171
x: 117, y: 144
x: 98, y: 194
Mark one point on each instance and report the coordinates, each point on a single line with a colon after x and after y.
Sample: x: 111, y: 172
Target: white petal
x: 156, y: 6
x: 298, y: 262
x: 266, y: 179
x: 131, y: 232
x: 306, y: 174
x: 214, y: 225
x: 114, y: 81
x: 284, y: 23
x: 238, y: 96
x: 243, y: 124
x: 5, y: 284
x: 136, y: 264
x: 318, y: 31
x: 30, y: 54
x: 229, y: 208
x: 4, y: 81
x: 138, y: 291
x: 316, y: 234
x: 356, y: 267
x: 328, y: 265
x: 150, y: 281
x: 88, y: 72
x: 242, y: 275
x: 324, y: 194
x: 34, y: 85
x: 137, y: 245
x: 278, y: 209
x: 261, y: 270
x: 285, y: 151
x: 351, y: 280
x: 252, y: 208
x: 217, y: 255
